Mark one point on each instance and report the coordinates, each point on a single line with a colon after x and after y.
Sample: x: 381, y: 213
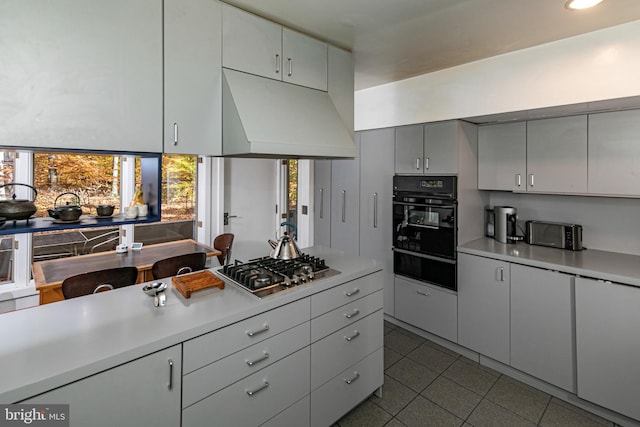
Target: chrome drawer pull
x: 265, y: 356
x: 352, y: 379
x: 352, y: 293
x: 259, y: 331
x: 170, y: 386
x: 352, y: 337
x: 423, y: 293
x: 350, y: 315
x: 262, y: 387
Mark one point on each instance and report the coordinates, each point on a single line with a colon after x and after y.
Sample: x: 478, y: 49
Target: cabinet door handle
x: 265, y: 356
x: 322, y: 203
x: 277, y: 63
x: 518, y: 180
x: 375, y: 210
x: 265, y: 328
x: 418, y: 163
x: 353, y: 292
x: 531, y: 179
x: 426, y: 163
x: 353, y: 378
x: 344, y: 205
x: 353, y: 337
x: 352, y: 314
x: 500, y: 274
x: 170, y: 386
x: 175, y: 134
x: 423, y: 293
x: 290, y: 67
x: 260, y: 388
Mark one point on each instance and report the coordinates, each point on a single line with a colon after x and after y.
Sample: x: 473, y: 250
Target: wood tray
x: 192, y: 282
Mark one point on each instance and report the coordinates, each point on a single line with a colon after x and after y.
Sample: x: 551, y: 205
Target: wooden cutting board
x: 192, y: 282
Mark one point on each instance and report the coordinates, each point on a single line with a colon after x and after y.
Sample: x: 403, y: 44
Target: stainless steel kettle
x: 285, y: 247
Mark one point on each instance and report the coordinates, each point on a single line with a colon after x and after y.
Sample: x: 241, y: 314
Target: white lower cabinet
x: 256, y: 398
x: 542, y: 328
x: 336, y: 397
x: 483, y: 305
x: 608, y: 344
x: 427, y: 307
x: 296, y: 415
x: 144, y: 392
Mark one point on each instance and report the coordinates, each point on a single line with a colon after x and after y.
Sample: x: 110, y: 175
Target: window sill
x: 14, y: 291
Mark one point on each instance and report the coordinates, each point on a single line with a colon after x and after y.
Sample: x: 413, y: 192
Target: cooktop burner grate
x: 266, y: 275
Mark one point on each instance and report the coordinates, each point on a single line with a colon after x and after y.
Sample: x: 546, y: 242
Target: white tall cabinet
x: 376, y: 210
x: 608, y: 348
x: 345, y: 204
x: 322, y: 203
x: 81, y: 74
x: 192, y: 77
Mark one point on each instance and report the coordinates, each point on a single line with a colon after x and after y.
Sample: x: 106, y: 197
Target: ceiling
x: 397, y: 39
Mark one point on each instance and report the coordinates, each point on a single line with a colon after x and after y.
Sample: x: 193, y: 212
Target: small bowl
x: 154, y: 288
x: 104, y: 210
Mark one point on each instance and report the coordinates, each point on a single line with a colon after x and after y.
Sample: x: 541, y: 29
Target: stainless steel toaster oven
x: 554, y: 234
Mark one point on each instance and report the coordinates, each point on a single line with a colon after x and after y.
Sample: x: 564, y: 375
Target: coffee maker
x: 505, y: 226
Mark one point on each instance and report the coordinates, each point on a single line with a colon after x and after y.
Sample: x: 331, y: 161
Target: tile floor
x: 429, y: 385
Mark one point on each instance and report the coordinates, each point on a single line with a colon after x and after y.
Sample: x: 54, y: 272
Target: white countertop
x: 612, y: 266
x: 51, y: 345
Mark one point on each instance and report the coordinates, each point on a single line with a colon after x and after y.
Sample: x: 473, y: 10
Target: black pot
x: 104, y: 210
x: 67, y: 212
x: 15, y: 209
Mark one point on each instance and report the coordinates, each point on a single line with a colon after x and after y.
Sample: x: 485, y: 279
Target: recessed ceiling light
x: 581, y: 4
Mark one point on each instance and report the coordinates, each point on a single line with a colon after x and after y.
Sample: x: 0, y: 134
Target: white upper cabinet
x: 192, y: 77
x: 502, y: 156
x: 304, y: 60
x: 81, y: 74
x: 427, y: 149
x: 557, y: 155
x: 257, y: 46
x: 614, y: 153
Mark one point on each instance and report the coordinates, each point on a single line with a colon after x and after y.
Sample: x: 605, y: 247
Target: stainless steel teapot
x: 285, y: 247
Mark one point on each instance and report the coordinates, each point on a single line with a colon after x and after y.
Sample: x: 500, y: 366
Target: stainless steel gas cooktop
x: 265, y: 276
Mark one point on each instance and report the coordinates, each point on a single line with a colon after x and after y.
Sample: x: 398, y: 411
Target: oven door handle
x: 419, y: 255
x: 430, y: 205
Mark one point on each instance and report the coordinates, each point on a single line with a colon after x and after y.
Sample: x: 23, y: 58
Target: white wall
x: 609, y: 224
x: 600, y: 65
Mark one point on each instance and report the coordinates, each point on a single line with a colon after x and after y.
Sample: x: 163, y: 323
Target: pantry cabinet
x: 143, y: 392
x: 483, y: 305
x: 542, y: 328
x: 614, y: 153
x: 322, y: 203
x: 192, y: 77
x: 81, y: 74
x: 429, y: 148
x: 557, y: 155
x: 257, y: 46
x: 376, y: 209
x: 345, y: 204
x: 607, y: 345
x: 502, y: 156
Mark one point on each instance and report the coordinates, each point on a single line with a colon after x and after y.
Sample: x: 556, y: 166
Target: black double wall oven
x: 425, y: 228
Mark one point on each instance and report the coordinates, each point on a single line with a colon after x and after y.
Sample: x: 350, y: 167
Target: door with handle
x: 249, y: 204
x: 345, y: 205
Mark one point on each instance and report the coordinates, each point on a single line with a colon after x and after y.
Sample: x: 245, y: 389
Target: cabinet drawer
x: 427, y: 307
x: 343, y: 392
x: 345, y: 293
x: 296, y: 415
x: 223, y: 342
x: 211, y: 378
x: 334, y: 353
x: 257, y: 398
x: 343, y: 316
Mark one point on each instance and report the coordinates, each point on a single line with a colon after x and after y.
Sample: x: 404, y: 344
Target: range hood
x: 267, y: 118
